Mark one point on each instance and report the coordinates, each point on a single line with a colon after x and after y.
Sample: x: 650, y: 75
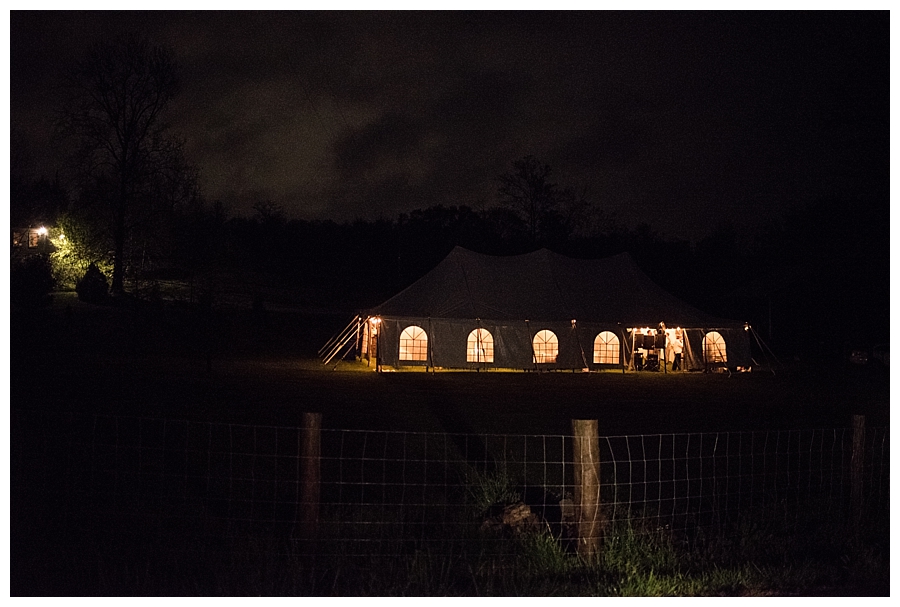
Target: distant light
x: 374, y: 320
x: 746, y: 326
x: 42, y: 231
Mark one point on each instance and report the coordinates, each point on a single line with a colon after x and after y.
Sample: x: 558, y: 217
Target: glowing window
x: 714, y: 348
x: 546, y: 346
x: 413, y: 344
x: 606, y: 348
x: 480, y: 347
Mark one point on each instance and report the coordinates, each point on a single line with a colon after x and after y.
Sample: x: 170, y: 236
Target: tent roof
x: 543, y: 286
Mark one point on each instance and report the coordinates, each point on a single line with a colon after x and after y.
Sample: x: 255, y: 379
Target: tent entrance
x: 368, y: 343
x: 656, y: 349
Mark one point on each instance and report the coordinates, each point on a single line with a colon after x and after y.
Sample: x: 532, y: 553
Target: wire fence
x: 380, y: 492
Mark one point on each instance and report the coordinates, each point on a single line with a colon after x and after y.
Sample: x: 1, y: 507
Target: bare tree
x: 528, y: 191
x: 551, y: 213
x: 122, y: 155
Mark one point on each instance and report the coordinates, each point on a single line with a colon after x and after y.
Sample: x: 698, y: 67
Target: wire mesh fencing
x: 386, y: 493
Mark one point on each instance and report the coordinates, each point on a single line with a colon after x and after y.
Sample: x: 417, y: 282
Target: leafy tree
x: 30, y: 282
x: 128, y: 168
x: 202, y: 243
x: 76, y: 246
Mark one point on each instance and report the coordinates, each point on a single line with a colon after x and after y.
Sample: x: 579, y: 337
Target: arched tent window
x: 714, y: 348
x: 480, y: 347
x: 606, y: 348
x: 414, y: 344
x: 546, y: 346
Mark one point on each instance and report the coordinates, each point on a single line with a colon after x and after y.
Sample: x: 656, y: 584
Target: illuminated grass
x: 634, y: 563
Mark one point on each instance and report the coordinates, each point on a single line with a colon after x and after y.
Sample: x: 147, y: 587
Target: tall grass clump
x: 484, y: 489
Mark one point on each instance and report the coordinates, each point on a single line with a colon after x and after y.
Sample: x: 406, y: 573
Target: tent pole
x: 479, y: 349
x: 377, y: 349
x: 359, y: 322
x: 531, y: 343
x: 580, y: 346
x: 703, y: 349
x: 763, y: 347
x: 430, y: 347
x: 665, y: 354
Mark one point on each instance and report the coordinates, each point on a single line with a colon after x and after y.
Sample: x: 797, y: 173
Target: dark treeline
x: 815, y: 278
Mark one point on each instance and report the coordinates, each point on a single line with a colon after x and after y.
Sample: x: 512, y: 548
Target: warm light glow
x: 606, y: 348
x: 413, y: 344
x: 374, y: 321
x: 480, y: 347
x: 546, y: 346
x: 640, y: 331
x: 714, y: 350
x: 42, y: 231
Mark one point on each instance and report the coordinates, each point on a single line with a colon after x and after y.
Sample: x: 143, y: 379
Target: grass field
x: 229, y: 365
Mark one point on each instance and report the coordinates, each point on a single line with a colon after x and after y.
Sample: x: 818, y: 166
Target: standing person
x: 674, y: 347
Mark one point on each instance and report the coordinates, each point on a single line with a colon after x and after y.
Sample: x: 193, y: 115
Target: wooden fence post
x: 586, y: 462
x: 310, y: 474
x: 856, y: 467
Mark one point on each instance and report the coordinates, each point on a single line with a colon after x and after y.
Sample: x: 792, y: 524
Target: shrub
x: 93, y: 286
x: 75, y: 245
x: 30, y: 282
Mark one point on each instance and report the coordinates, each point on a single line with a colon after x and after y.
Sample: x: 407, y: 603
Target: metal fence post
x: 310, y: 474
x: 586, y: 463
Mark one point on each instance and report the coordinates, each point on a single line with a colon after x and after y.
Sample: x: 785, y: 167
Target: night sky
x: 679, y: 120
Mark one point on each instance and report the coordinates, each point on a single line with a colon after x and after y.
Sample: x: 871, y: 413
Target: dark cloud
x: 388, y: 142
x: 680, y: 120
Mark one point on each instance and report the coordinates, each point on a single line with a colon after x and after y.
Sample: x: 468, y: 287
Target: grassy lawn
x: 230, y: 365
